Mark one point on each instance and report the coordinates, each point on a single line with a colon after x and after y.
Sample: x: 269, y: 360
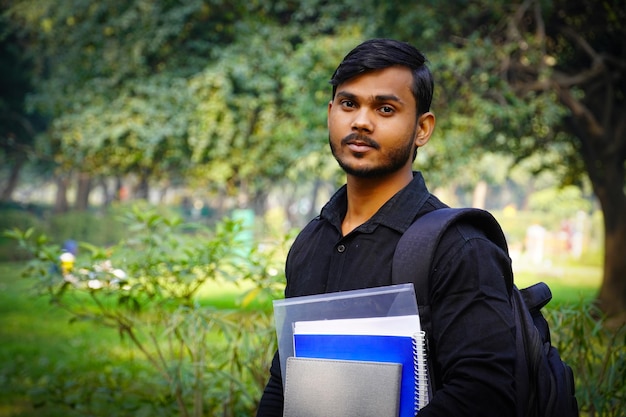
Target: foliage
x: 148, y: 289
x: 15, y: 217
x: 18, y: 127
x: 239, y: 89
x: 143, y: 87
x: 80, y: 369
x: 596, y: 352
x: 147, y: 87
x: 231, y: 94
x: 98, y: 227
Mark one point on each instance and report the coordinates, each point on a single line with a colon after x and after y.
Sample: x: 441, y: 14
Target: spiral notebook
x: 396, y: 339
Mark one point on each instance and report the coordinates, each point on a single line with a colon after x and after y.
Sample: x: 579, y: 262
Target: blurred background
x: 206, y: 109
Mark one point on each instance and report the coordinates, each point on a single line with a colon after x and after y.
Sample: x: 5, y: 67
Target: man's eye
x: 386, y: 109
x: 347, y: 103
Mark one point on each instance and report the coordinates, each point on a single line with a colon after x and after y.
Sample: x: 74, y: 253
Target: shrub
x: 596, y: 353
x: 98, y: 227
x: 200, y: 359
x: 15, y: 217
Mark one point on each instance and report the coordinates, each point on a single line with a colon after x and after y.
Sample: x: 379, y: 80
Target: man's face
x: 372, y: 123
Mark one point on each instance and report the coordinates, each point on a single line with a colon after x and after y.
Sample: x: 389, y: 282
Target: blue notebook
x: 382, y: 339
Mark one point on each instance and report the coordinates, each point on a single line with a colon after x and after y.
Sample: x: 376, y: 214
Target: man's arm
x: 472, y: 336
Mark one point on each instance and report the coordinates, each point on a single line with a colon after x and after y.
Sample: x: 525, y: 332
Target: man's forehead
x: 392, y: 83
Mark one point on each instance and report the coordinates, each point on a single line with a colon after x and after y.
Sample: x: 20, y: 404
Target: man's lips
x: 359, y: 147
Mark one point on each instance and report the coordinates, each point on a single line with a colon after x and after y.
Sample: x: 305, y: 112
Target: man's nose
x: 363, y: 121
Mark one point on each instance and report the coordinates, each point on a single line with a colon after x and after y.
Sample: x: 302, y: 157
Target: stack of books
x: 357, y: 366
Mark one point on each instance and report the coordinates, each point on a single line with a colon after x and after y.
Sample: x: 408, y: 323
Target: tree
x: 234, y: 92
x: 580, y: 59
x: 166, y: 90
x: 109, y: 75
x: 575, y: 52
x: 531, y: 78
x: 17, y: 128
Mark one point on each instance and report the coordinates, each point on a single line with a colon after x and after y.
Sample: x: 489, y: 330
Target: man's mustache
x: 362, y: 139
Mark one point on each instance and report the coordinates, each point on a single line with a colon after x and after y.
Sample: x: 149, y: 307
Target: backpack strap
x: 415, y: 251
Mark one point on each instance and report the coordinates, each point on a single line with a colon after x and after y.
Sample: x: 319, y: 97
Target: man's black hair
x: 377, y: 54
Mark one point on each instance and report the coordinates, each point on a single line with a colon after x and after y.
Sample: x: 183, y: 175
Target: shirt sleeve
x: 473, y: 333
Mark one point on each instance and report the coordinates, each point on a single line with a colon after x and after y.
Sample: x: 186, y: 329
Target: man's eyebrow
x: 345, y: 94
x: 378, y: 99
x: 388, y: 97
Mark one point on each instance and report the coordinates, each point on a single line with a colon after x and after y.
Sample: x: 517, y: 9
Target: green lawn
x: 36, y: 342
x: 569, y: 284
x: 42, y: 352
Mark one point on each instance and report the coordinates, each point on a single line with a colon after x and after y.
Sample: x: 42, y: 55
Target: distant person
x: 68, y: 256
x: 378, y: 117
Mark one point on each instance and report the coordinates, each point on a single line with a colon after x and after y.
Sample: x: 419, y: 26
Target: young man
x: 377, y: 118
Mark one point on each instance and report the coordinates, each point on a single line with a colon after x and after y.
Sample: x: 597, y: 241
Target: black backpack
x: 545, y: 384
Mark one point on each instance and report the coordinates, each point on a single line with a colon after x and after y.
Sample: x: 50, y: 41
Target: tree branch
x: 582, y: 43
x: 581, y: 112
x: 566, y: 81
x: 513, y: 30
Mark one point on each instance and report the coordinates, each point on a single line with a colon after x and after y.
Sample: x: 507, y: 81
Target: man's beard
x: 394, y: 160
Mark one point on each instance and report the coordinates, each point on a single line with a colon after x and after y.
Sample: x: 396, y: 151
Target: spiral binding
x: 420, y: 372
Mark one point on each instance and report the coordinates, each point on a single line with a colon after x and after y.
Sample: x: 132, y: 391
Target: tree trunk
x: 7, y: 192
x: 608, y: 183
x: 612, y: 295
x: 60, y: 204
x: 83, y: 191
x: 106, y: 192
x: 142, y: 191
x: 479, y: 198
x: 603, y: 146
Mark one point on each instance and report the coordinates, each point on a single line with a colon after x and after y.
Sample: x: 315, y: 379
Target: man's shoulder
x: 472, y: 227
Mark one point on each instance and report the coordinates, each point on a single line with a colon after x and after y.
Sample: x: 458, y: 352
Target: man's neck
x: 367, y: 195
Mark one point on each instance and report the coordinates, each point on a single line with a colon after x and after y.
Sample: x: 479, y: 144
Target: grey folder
x: 338, y: 388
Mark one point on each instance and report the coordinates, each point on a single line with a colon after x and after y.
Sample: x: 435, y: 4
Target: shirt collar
x: 397, y: 213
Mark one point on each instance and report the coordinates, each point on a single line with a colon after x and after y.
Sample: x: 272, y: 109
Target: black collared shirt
x: 472, y: 338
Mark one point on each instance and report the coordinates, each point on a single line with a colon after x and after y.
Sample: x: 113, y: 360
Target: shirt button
x: 341, y: 248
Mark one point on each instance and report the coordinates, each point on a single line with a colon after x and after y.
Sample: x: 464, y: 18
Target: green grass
x: 570, y: 284
x: 41, y: 351
x: 37, y: 341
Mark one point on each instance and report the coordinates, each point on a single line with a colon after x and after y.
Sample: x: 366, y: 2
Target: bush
x: 596, y: 353
x: 101, y: 228
x: 199, y: 359
x: 16, y: 217
x: 98, y: 227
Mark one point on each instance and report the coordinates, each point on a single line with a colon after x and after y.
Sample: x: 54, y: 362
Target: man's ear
x: 330, y: 106
x: 425, y: 128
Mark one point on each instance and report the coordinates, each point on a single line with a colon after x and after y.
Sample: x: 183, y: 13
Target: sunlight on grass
x: 568, y: 283
x: 229, y: 295
x: 40, y: 350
